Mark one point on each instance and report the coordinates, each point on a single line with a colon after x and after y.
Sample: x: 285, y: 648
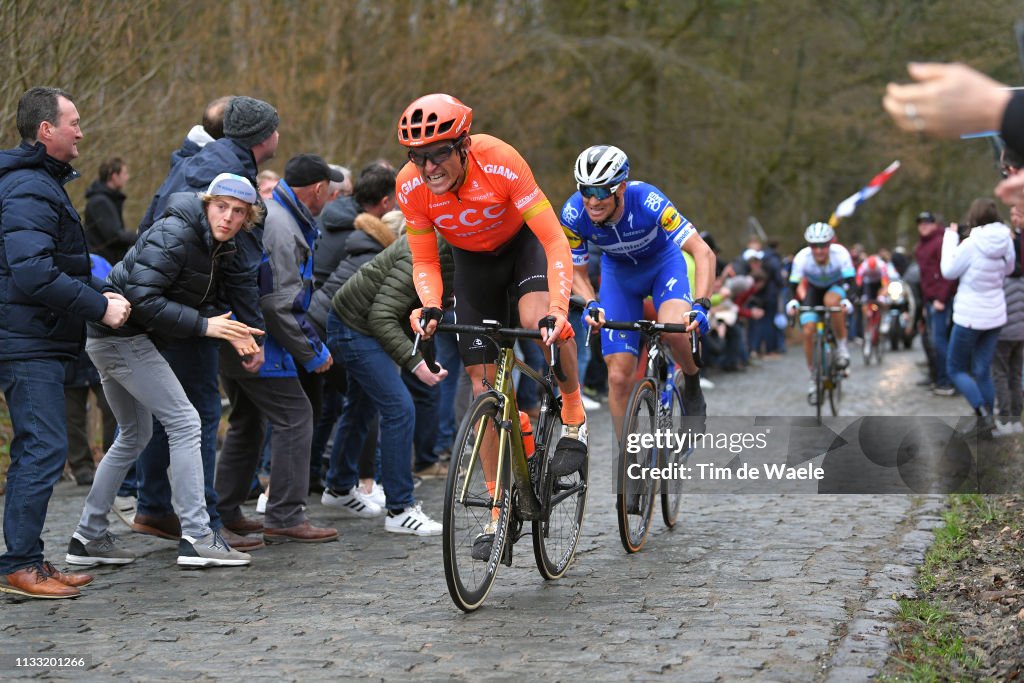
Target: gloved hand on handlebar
x: 430, y: 316
x: 792, y: 307
x: 846, y: 304
x: 561, y: 331
x: 593, y: 313
x: 700, y: 314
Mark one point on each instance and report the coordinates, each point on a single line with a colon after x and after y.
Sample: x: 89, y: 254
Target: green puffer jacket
x: 377, y: 300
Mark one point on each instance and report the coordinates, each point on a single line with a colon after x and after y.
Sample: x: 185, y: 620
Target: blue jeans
x: 447, y: 350
x: 938, y: 328
x: 35, y: 397
x: 425, y: 435
x: 969, y: 361
x: 195, y: 362
x: 374, y: 385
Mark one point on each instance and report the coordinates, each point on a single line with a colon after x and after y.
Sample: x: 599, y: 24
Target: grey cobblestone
x: 752, y: 587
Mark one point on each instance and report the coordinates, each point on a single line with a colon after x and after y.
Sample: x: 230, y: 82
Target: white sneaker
x: 376, y: 495
x: 706, y: 384
x: 589, y: 403
x: 412, y: 520
x: 125, y: 507
x: 355, y: 502
x: 812, y: 392
x: 261, y: 503
x: 843, y: 354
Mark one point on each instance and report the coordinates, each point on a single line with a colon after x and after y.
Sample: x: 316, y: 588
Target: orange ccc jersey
x: 498, y: 195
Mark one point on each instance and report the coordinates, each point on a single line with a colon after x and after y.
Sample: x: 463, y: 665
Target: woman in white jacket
x: 981, y: 262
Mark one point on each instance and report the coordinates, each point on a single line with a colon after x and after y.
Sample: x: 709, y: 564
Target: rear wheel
x: 556, y: 537
x: 470, y: 517
x: 635, y: 502
x: 672, y: 418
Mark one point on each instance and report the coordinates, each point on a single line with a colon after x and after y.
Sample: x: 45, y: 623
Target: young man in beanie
x: 276, y: 395
x: 250, y: 138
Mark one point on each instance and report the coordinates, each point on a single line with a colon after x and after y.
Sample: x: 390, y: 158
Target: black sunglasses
x: 438, y: 156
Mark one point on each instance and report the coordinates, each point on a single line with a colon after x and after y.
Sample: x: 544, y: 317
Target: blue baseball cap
x: 231, y: 185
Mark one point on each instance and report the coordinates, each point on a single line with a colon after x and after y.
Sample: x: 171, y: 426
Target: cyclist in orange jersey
x: 478, y: 193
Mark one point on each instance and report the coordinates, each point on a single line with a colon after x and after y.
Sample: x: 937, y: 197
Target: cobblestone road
x: 747, y: 587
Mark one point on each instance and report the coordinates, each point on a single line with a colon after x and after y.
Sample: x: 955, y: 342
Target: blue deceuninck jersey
x: 650, y: 225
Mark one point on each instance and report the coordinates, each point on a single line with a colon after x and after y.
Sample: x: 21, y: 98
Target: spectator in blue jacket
x: 47, y: 294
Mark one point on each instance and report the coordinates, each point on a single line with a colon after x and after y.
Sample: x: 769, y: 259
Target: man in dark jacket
x: 374, y: 193
x: 938, y: 296
x: 276, y: 395
x: 250, y: 138
x: 46, y: 294
x: 104, y: 222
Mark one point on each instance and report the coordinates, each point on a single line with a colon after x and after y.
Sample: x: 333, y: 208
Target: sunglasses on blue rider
x: 597, y: 192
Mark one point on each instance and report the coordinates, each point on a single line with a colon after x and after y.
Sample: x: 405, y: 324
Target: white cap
x: 231, y: 185
x: 753, y: 253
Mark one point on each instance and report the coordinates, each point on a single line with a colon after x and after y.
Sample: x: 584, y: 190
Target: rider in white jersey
x: 828, y: 269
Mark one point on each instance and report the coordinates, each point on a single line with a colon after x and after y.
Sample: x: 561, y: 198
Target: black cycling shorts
x: 487, y: 285
x: 870, y: 291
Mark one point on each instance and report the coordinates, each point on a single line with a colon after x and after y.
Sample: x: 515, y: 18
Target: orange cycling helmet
x: 432, y: 118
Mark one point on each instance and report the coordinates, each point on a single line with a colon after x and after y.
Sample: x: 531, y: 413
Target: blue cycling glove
x: 701, y: 314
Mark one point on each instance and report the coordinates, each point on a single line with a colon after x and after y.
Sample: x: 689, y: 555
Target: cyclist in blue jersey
x: 641, y: 236
x: 828, y: 268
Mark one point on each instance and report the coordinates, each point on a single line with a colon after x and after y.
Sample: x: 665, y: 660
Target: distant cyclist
x: 829, y: 271
x: 479, y: 194
x: 873, y: 276
x: 642, y: 238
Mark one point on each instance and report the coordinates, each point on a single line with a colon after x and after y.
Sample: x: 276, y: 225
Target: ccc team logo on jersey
x: 670, y: 219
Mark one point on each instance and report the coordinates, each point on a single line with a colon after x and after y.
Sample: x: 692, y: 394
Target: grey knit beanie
x: 249, y: 121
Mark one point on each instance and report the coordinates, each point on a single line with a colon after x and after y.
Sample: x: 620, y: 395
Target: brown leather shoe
x: 241, y: 542
x: 74, y: 580
x: 303, y: 533
x: 33, y: 583
x: 437, y: 470
x: 163, y: 526
x: 245, y: 525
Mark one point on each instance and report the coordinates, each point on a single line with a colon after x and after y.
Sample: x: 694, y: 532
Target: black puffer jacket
x: 337, y: 223
x: 174, y: 274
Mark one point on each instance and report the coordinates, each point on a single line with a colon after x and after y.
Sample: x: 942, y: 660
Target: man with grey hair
x: 47, y: 294
x: 340, y: 188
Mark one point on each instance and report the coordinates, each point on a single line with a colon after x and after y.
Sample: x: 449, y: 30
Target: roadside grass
x: 929, y: 641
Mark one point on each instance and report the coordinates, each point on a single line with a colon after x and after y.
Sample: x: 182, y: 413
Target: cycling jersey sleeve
x: 571, y: 213
x: 556, y: 248
x: 676, y: 225
x: 426, y: 268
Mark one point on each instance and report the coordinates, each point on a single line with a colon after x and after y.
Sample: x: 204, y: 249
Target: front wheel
x: 556, y: 537
x: 672, y: 419
x: 637, y: 489
x: 472, y: 517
